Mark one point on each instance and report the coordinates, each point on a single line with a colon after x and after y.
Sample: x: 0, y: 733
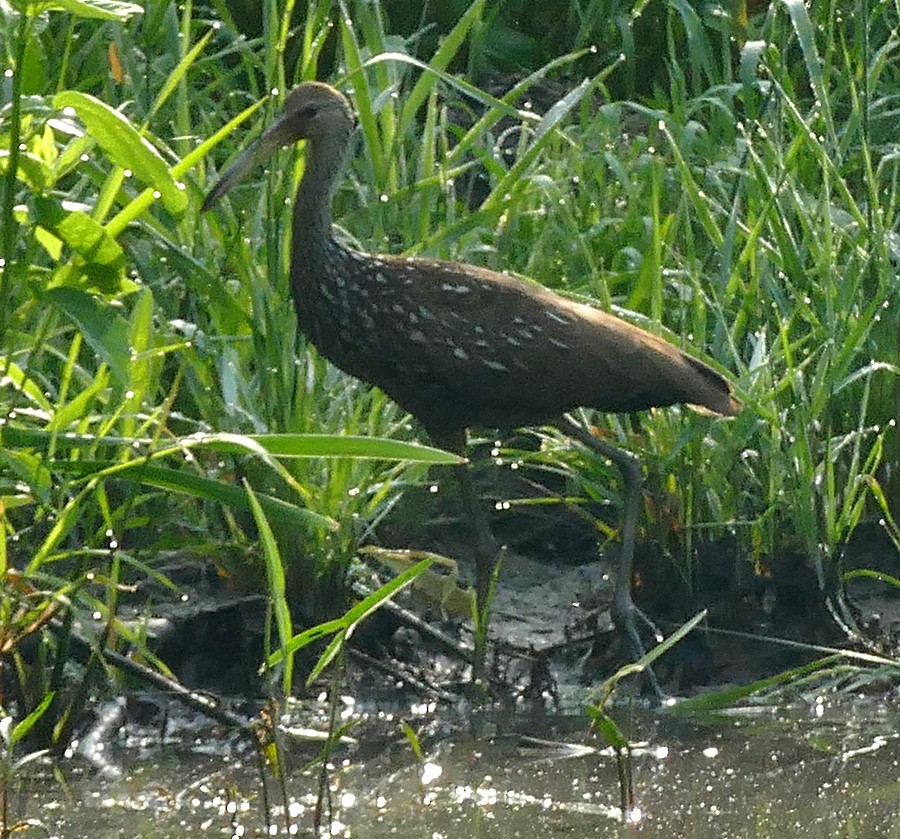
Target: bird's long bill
x: 260, y: 151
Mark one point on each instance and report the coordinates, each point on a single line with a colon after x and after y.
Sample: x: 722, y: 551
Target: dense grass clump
x: 741, y: 199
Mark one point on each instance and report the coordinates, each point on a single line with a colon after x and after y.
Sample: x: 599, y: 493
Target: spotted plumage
x: 457, y: 345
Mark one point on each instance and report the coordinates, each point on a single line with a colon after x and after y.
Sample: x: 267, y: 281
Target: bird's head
x: 311, y: 111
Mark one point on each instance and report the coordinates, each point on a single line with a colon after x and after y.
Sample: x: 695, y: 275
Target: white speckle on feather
x: 494, y: 365
x: 461, y: 354
x: 561, y: 344
x: 418, y: 337
x: 456, y: 288
x: 556, y: 317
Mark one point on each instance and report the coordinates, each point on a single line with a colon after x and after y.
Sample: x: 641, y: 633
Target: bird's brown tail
x: 718, y: 397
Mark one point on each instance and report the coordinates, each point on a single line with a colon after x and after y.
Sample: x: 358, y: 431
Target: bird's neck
x: 312, y: 207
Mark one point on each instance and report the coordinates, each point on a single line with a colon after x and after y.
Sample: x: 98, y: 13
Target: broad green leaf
x: 104, y: 260
x: 329, y: 445
x: 34, y: 67
x: 31, y: 169
x: 96, y: 9
x: 105, y: 330
x: 197, y: 486
x: 125, y: 147
x: 279, y: 445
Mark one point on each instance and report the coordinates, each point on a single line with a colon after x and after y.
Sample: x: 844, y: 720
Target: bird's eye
x: 308, y: 111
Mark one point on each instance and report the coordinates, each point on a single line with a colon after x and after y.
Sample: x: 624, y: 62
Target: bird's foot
x: 623, y: 613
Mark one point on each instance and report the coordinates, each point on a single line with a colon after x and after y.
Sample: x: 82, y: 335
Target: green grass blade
x: 276, y: 586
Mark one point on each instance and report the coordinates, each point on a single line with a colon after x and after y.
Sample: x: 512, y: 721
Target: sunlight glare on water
x: 430, y: 772
x: 781, y: 779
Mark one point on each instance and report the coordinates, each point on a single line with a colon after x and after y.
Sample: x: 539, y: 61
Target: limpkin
x: 459, y: 346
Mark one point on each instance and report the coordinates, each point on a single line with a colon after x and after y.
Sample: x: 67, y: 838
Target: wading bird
x: 459, y: 346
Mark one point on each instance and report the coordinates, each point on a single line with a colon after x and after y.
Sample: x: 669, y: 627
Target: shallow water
x: 825, y: 768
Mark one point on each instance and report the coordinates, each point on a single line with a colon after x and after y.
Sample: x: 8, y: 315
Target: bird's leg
x: 487, y: 555
x: 486, y: 550
x: 622, y: 610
